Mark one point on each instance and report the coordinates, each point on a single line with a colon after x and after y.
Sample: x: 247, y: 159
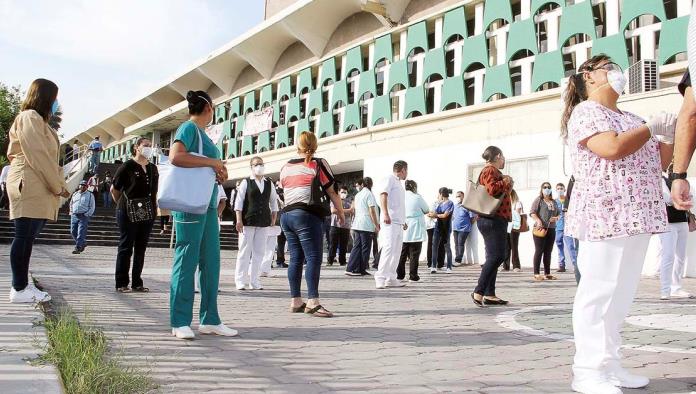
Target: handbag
x: 186, y: 189
x: 539, y: 232
x: 524, y: 226
x: 319, y: 202
x: 139, y: 209
x: 692, y: 221
x: 479, y: 201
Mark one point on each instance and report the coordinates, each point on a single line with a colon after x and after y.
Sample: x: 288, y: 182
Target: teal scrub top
x: 416, y: 208
x: 188, y: 134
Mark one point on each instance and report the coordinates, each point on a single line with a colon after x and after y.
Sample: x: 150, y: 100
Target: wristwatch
x: 677, y: 175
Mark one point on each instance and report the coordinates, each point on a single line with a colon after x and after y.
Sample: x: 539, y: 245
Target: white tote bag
x: 186, y: 189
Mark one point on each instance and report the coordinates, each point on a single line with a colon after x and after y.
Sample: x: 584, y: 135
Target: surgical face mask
x: 546, y: 191
x: 258, y: 169
x: 54, y: 107
x: 147, y: 152
x: 343, y: 195
x: 617, y: 81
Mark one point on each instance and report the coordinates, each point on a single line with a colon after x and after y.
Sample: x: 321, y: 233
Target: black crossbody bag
x: 140, y: 210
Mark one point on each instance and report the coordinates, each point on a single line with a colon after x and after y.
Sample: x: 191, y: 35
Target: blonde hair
x: 307, y: 145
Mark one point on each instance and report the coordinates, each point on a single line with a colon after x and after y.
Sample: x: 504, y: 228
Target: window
x: 671, y: 8
x: 527, y: 173
x: 449, y: 62
x: 430, y: 99
x: 600, y: 19
x: 516, y: 79
x: 379, y: 67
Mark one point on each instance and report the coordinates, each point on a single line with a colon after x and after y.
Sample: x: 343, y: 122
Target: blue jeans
x: 78, y: 229
x: 26, y: 231
x: 459, y: 239
x: 94, y: 162
x: 304, y: 232
x: 571, y: 245
x: 442, y: 238
x: 106, y: 196
x: 561, y: 250
x: 359, y: 259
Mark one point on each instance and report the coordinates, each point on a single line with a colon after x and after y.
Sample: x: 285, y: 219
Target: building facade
x: 430, y: 82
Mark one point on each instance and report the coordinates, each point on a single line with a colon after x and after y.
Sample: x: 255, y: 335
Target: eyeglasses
x: 606, y: 67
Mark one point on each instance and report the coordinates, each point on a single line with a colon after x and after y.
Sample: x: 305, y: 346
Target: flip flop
x: 299, y: 309
x: 318, y: 311
x: 141, y: 289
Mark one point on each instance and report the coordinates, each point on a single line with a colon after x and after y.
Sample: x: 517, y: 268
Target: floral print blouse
x: 612, y: 198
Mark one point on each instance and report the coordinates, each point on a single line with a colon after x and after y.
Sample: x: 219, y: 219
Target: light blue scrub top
x: 416, y: 208
x: 362, y: 203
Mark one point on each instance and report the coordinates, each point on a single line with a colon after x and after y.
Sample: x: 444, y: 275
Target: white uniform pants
x: 672, y: 257
x: 271, y: 243
x: 252, y: 247
x: 471, y: 246
x: 390, y: 241
x: 610, y: 276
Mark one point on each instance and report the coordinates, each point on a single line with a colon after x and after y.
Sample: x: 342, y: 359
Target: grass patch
x: 81, y: 354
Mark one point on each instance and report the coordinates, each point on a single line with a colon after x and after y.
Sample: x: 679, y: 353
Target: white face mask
x: 147, y: 152
x: 258, y: 170
x: 617, y: 81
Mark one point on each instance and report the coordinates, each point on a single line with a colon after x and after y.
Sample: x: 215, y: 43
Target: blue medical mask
x: 54, y: 107
x: 547, y: 192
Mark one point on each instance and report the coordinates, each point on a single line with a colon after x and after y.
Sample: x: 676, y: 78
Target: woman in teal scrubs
x: 197, y: 236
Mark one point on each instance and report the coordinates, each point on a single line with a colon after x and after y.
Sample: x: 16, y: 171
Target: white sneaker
x: 220, y: 329
x: 241, y: 287
x: 396, y: 283
x: 682, y: 294
x: 380, y: 286
x: 448, y: 271
x: 256, y: 287
x: 516, y: 270
x: 28, y: 295
x: 455, y: 264
x: 349, y: 273
x: 594, y: 386
x: 184, y: 332
x: 664, y: 297
x: 622, y: 378
x: 433, y: 270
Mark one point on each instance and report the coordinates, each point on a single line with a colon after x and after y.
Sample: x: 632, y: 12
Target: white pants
x: 252, y: 247
x: 271, y: 243
x: 471, y: 246
x: 610, y: 276
x: 672, y: 257
x: 390, y: 241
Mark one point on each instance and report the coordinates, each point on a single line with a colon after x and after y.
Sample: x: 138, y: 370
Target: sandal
x: 318, y: 311
x: 477, y: 302
x: 299, y: 309
x: 550, y: 277
x: 539, y: 278
x: 141, y: 289
x: 124, y: 289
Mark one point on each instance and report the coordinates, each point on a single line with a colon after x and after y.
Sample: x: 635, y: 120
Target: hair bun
x: 191, y: 96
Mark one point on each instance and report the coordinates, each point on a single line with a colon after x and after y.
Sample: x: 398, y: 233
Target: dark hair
x: 367, y: 182
x: 96, y: 138
x: 491, y: 153
x: 445, y: 192
x: 513, y: 196
x: 541, y: 189
x: 400, y: 165
x: 343, y: 187
x: 560, y: 184
x: 138, y: 142
x: 411, y: 186
x: 197, y: 101
x: 360, y: 182
x: 254, y: 158
x: 576, y: 92
x: 40, y: 97
x: 77, y: 142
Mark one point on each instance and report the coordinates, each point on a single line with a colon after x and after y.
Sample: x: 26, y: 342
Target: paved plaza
x: 427, y: 337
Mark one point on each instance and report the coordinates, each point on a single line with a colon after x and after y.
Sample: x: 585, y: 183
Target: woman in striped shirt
x: 306, y: 182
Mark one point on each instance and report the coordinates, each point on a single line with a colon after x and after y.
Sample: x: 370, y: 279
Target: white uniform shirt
x: 242, y: 189
x: 4, y: 173
x: 396, y: 199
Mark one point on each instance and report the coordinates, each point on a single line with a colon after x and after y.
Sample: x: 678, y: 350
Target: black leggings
x: 544, y: 247
x: 164, y: 221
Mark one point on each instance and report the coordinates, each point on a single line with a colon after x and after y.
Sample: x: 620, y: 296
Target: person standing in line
x: 560, y: 239
x: 135, y: 191
x: 339, y: 234
x: 197, y: 235
x: 514, y: 234
x: 617, y: 160
x: 443, y: 228
x: 416, y: 209
x: 545, y: 214
x: 392, y: 200
x: 375, y: 243
x: 430, y: 229
x: 105, y: 189
x: 96, y: 148
x: 307, y: 182
x: 493, y: 228
x: 81, y: 209
x: 280, y: 248
x: 4, y: 198
x: 461, y: 225
x: 672, y: 248
x: 256, y: 208
x: 33, y: 151
x: 76, y: 150
x: 471, y: 255
x: 272, y: 236
x: 365, y: 226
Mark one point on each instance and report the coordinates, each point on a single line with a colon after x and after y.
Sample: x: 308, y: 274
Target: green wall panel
x: 339, y: 93
x: 536, y: 4
x: 352, y: 116
x: 398, y: 74
x: 414, y: 101
x: 417, y: 37
x: 249, y: 102
x: 285, y: 88
x: 302, y: 125
x: 247, y: 145
x: 264, y: 143
x: 367, y: 84
x: 293, y: 109
x: 383, y: 50
x: 304, y: 80
x: 497, y: 80
x: 635, y: 8
x: 522, y: 35
x: 673, y: 37
x: 381, y: 109
x: 434, y: 63
x: 475, y: 51
x: 314, y: 101
x: 496, y: 9
x: 353, y: 61
x: 220, y: 112
x: 548, y: 67
x: 328, y: 71
x: 614, y: 46
x: 576, y: 19
x: 453, y: 92
x: 266, y: 95
x: 454, y: 23
x: 234, y: 108
x: 282, y: 137
x: 326, y: 125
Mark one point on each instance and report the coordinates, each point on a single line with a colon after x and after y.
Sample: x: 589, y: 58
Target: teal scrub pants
x: 197, y: 245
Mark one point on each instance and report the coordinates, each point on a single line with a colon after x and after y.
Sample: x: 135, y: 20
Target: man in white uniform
x: 256, y: 208
x: 392, y: 197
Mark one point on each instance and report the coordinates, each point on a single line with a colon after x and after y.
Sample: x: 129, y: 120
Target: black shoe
x: 477, y: 302
x: 365, y: 273
x: 281, y: 265
x: 494, y: 302
x: 416, y: 279
x: 329, y: 263
x: 76, y: 251
x: 342, y: 264
x: 561, y: 270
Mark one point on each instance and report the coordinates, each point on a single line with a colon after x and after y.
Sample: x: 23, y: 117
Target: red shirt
x: 492, y: 179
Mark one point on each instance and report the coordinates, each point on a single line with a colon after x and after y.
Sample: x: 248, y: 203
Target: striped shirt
x: 296, y: 180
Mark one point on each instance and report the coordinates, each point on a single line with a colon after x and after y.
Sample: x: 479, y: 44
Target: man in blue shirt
x: 81, y: 209
x: 96, y: 148
x: 461, y: 224
x: 567, y: 246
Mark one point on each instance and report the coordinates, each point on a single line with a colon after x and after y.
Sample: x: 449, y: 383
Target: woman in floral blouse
x: 615, y: 206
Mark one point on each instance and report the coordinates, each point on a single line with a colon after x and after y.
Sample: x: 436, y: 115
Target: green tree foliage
x: 10, y: 101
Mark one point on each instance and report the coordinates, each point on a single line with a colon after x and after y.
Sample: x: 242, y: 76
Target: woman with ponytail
x: 616, y: 205
x: 197, y: 236
x: 306, y: 182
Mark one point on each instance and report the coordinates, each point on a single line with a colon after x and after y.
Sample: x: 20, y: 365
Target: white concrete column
x: 683, y: 7
x: 525, y: 9
x: 580, y: 56
x: 438, y: 33
x: 613, y: 16
x: 501, y: 46
x: 371, y: 53
x: 437, y: 91
x: 402, y: 44
x: 647, y: 45
x: 478, y: 87
x: 478, y: 19
x: 402, y: 101
x: 419, y: 69
x: 458, y: 58
x: 552, y: 32
x: 526, y: 77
